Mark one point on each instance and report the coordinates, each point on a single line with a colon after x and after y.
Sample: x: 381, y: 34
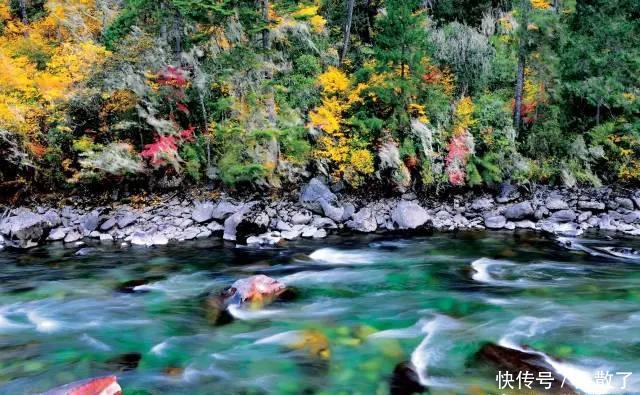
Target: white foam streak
x: 247, y: 315
x: 339, y: 257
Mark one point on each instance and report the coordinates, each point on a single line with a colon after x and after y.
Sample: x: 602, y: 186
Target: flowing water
x: 432, y: 300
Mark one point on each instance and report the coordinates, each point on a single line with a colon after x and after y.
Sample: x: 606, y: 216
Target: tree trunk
x: 270, y: 102
x: 522, y: 58
x: 23, y: 11
x: 347, y: 30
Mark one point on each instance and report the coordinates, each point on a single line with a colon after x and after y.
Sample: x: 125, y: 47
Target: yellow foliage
x: 333, y: 81
x: 306, y: 11
x: 540, y: 4
x: 328, y: 116
x: 317, y: 23
x: 463, y: 116
x: 362, y: 161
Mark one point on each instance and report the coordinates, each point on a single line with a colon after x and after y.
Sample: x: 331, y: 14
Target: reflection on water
x: 363, y: 306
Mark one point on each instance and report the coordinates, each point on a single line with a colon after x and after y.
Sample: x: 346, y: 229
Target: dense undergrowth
x: 265, y: 93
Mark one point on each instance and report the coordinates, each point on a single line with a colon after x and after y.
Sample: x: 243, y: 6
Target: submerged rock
x: 405, y: 380
x: 98, y: 386
x: 515, y: 361
x: 125, y: 362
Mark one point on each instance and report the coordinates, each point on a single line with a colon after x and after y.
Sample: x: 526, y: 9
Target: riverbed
x: 371, y: 302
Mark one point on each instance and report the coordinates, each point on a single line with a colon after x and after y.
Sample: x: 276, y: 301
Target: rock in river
x: 98, y: 386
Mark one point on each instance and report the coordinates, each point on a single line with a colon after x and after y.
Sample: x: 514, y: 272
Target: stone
x: 57, y: 234
x: 224, y: 209
x: 409, y: 215
x: 363, y: 221
x: 282, y: 226
x: 72, y: 236
x: 508, y: 193
x: 257, y: 288
x: 482, y: 204
x: 405, y: 380
x: 202, y: 212
x: 24, y: 230
x: 526, y: 224
x: 85, y: 251
x: 215, y: 227
x: 519, y: 211
x: 126, y: 219
x: 556, y: 203
x: 89, y: 222
x: 561, y: 228
x: 108, y: 224
x: 591, y: 205
x: 564, y: 216
x: 301, y: 218
x: 625, y: 203
x: 204, y: 234
x: 189, y: 234
x: 323, y: 223
x: 632, y: 218
x: 309, y: 231
x: 331, y: 211
x: 320, y: 234
x: 495, y: 222
x: 312, y: 194
x: 231, y: 224
x: 106, y: 238
x: 101, y: 385
x: 349, y: 211
x: 584, y: 216
x: 291, y: 234
x: 267, y: 239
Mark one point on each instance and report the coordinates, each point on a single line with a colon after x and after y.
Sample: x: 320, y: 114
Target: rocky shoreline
x: 316, y: 212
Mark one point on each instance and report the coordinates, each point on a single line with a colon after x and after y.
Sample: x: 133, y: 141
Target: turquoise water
x: 364, y: 304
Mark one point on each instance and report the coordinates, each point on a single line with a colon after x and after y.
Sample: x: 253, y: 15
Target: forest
x: 263, y: 94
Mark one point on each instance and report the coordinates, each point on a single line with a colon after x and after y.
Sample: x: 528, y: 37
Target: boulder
x: 108, y: 224
x: 569, y: 229
x: 556, y: 203
x: 266, y: 239
x: 106, y: 238
x: 301, y: 218
x: 126, y: 219
x: 314, y: 193
x: 591, y: 205
x: 89, y: 222
x: 564, y: 216
x: 405, y: 380
x: 363, y: 221
x: 482, y: 204
x: 625, y: 203
x: 495, y: 222
x: 409, y: 215
x: 72, y: 236
x: 232, y: 223
x: 202, y: 212
x: 515, y: 361
x: 24, y: 230
x: 224, y: 209
x: 148, y: 239
x: 97, y: 386
x: 57, y: 234
x: 632, y: 217
x: 519, y: 211
x: 331, y: 211
x: 507, y: 193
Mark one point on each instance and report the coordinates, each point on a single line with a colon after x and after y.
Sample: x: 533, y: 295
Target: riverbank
x: 316, y: 212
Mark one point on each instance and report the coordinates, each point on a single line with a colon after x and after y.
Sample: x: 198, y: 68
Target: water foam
x: 342, y: 257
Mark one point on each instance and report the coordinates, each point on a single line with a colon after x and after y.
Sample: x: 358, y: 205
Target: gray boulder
x: 224, y: 209
x: 409, y: 215
x: 331, y: 211
x: 625, y: 203
x: 301, y: 218
x: 508, y: 193
x: 126, y: 219
x: 482, y: 204
x: 231, y: 224
x: 519, y: 211
x: 363, y: 221
x: 57, y: 234
x: 24, y: 230
x: 314, y: 193
x: 591, y: 205
x: 632, y: 218
x: 556, y: 203
x: 108, y: 224
x: 495, y: 222
x: 89, y: 222
x: 72, y: 236
x: 202, y: 212
x: 564, y: 216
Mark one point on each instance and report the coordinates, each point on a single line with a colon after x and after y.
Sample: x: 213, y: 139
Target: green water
x: 378, y: 300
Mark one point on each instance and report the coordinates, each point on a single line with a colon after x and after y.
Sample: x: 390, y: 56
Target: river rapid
x: 372, y: 302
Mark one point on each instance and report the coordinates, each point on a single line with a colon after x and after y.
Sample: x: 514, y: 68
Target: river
x: 370, y: 302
